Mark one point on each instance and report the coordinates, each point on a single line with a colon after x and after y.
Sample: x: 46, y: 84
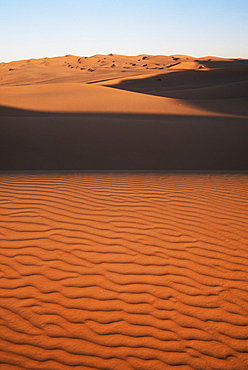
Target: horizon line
x: 127, y: 55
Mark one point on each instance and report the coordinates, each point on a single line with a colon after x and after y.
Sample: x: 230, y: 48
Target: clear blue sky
x: 45, y: 28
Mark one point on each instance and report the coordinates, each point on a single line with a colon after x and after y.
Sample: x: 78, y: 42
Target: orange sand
x: 116, y: 112
x: 124, y: 272
x: 177, y: 84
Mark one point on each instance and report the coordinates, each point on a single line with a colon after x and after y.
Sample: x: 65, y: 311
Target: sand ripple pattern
x: 120, y: 271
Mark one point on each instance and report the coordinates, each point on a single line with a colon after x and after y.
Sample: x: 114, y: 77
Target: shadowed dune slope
x: 123, y: 272
x: 147, y: 142
x: 220, y: 90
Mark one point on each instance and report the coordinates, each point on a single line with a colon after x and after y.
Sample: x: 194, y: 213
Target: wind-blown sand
x: 124, y: 271
x: 108, y: 270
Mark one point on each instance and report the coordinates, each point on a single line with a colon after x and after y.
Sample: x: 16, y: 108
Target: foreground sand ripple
x: 120, y: 271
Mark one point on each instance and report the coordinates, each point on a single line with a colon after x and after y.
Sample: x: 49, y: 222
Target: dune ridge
x: 123, y: 271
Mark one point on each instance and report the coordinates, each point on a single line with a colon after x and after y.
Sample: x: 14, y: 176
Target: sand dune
x: 84, y: 69
x: 74, y: 97
x: 110, y: 268
x: 123, y: 272
x: 62, y: 84
x: 116, y: 112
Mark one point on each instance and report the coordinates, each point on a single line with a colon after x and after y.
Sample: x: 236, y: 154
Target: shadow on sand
x: 32, y: 141
x: 235, y: 63
x: 222, y: 90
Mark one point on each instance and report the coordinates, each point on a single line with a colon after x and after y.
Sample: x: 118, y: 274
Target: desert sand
x: 124, y: 209
x: 116, y: 112
x: 124, y: 271
x: 74, y: 84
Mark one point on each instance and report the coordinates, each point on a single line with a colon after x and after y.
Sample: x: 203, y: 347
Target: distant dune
x: 61, y: 84
x: 165, y: 99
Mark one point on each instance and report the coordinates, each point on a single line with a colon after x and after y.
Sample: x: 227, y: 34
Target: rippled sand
x: 121, y: 271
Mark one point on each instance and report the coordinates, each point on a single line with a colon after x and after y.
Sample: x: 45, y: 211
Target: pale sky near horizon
x: 47, y: 28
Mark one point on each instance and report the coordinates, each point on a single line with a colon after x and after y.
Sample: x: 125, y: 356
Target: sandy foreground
x: 124, y: 271
x: 123, y: 213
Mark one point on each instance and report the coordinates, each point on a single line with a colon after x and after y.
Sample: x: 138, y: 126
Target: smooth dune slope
x: 123, y: 272
x: 78, y: 98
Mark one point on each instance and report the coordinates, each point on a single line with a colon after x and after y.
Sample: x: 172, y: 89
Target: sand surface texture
x: 124, y: 272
